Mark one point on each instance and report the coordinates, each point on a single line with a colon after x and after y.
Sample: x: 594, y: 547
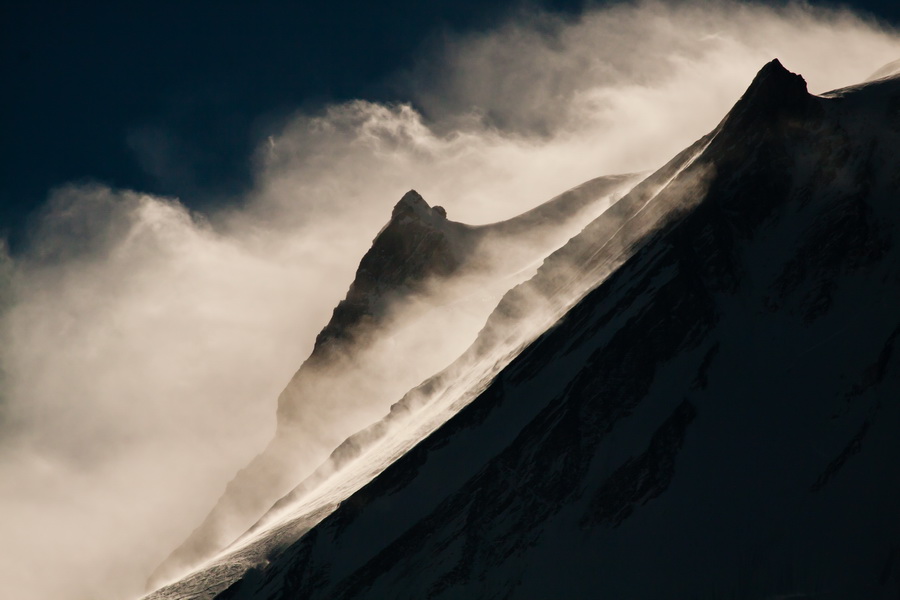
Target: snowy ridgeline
x: 421, y: 294
x: 714, y: 416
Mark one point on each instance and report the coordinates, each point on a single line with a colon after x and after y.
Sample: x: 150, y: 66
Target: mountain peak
x: 775, y: 91
x: 417, y: 242
x: 774, y: 79
x: 413, y: 205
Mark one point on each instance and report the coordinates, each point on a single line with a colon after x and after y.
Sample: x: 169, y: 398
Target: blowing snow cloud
x: 144, y: 346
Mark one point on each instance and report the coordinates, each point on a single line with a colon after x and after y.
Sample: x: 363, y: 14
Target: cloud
x: 143, y: 346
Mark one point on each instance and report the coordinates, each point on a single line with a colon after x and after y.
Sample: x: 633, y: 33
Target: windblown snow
x: 710, y: 361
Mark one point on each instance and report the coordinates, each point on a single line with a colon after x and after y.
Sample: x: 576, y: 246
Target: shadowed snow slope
x: 716, y: 419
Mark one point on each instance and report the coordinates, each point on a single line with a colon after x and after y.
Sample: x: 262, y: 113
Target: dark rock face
x: 775, y: 96
x: 846, y: 237
x: 418, y: 242
x: 644, y: 478
x: 717, y: 419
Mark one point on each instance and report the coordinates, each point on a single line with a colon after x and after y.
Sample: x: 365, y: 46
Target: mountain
x: 695, y: 397
x: 420, y: 264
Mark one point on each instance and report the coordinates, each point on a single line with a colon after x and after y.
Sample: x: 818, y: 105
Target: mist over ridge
x: 144, y: 346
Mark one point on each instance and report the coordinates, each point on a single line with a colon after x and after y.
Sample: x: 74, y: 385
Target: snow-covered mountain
x: 426, y: 281
x: 695, y: 397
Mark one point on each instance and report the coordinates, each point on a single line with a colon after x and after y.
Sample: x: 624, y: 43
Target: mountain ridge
x: 416, y: 250
x: 702, y: 272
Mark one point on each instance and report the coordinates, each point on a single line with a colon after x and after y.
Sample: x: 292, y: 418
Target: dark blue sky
x: 198, y: 84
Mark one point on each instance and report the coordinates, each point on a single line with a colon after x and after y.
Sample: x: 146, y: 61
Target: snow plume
x: 633, y: 69
x: 143, y: 347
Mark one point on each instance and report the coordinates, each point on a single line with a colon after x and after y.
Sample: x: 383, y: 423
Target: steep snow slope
x: 717, y: 419
x: 524, y: 313
x: 420, y: 293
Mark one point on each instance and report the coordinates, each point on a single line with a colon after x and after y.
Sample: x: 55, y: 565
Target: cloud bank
x: 143, y: 347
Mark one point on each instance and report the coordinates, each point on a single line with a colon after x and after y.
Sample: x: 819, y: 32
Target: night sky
x: 172, y: 97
